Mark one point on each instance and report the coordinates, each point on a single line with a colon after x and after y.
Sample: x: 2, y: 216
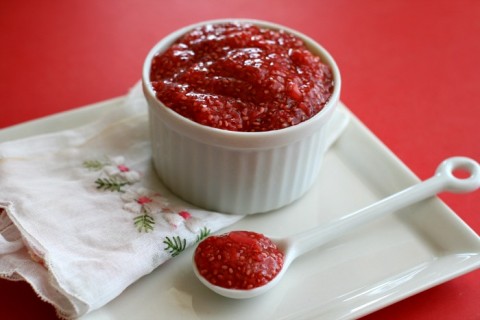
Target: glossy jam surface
x: 238, y: 260
x: 240, y: 77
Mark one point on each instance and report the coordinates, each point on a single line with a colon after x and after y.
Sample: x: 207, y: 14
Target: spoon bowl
x: 296, y: 245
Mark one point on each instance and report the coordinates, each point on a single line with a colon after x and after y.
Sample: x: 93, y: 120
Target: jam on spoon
x: 238, y: 260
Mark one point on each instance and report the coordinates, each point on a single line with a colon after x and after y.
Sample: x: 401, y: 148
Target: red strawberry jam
x: 239, y: 77
x: 238, y: 260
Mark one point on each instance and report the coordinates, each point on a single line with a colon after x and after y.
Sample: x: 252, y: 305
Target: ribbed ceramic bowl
x: 237, y: 172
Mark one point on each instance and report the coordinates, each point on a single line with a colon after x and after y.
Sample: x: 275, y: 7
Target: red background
x: 411, y: 73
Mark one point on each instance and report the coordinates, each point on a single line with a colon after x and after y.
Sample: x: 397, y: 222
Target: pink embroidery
x: 143, y: 200
x: 123, y: 168
x: 118, y: 169
x: 185, y: 215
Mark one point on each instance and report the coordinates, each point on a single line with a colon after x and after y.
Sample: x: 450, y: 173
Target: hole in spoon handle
x: 459, y: 185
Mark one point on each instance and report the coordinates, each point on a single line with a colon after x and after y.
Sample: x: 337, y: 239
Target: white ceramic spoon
x: 296, y: 245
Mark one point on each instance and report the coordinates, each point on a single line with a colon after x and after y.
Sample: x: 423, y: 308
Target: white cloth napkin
x: 83, y: 215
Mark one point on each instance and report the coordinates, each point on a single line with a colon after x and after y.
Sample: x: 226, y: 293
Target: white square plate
x: 378, y: 264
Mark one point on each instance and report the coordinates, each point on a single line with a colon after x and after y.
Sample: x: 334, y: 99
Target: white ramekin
x: 237, y: 172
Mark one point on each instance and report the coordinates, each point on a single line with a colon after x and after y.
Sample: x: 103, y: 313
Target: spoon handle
x: 443, y: 180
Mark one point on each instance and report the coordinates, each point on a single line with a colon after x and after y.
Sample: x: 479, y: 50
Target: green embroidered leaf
x: 144, y: 223
x: 175, y: 245
x: 203, y: 234
x: 93, y: 165
x: 110, y: 184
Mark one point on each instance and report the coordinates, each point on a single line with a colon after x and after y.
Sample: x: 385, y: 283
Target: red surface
x: 411, y: 73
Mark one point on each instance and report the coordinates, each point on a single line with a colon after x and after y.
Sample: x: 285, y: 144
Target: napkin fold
x: 83, y: 214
